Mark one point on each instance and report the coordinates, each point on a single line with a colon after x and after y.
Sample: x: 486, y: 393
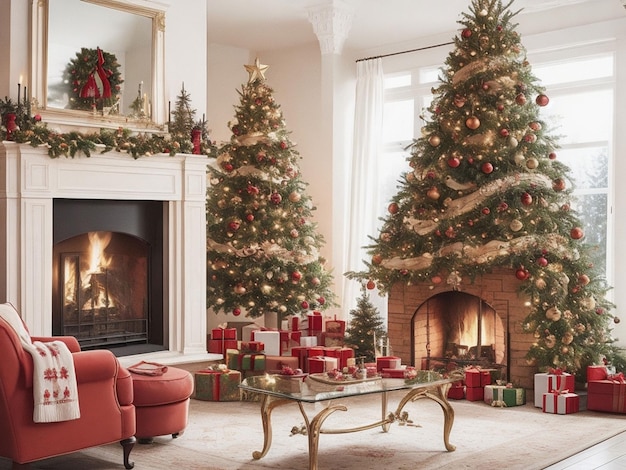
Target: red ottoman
x: 162, y: 403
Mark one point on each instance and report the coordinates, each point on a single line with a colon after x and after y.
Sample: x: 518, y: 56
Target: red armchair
x: 105, y: 394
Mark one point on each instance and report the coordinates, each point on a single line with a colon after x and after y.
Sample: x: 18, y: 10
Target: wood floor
x: 608, y: 455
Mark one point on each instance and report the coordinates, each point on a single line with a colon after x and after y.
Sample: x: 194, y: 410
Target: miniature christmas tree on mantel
x: 263, y: 251
x: 486, y: 189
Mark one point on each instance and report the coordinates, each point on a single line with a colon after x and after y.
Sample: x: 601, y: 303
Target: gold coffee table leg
x: 314, y: 431
x: 267, y: 405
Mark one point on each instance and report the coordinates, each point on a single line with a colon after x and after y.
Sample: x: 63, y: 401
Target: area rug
x: 223, y: 435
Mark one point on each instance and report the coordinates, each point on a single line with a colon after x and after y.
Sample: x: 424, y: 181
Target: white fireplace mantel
x: 29, y: 182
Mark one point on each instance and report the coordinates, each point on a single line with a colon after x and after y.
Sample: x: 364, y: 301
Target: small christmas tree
x: 182, y: 121
x: 486, y: 189
x: 262, y: 249
x: 366, y: 326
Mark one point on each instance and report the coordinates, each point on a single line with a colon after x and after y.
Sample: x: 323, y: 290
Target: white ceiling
x: 261, y: 25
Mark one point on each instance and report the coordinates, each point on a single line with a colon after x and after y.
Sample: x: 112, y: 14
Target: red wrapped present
x: 553, y: 380
x: 596, y: 373
x: 475, y: 377
x: 251, y: 346
x: 219, y: 346
x: 456, y: 392
x: 319, y: 364
x: 388, y: 362
x: 314, y: 323
x: 393, y: 373
x: 217, y: 385
x: 224, y: 333
x: 275, y: 364
x: 308, y: 341
x: 475, y: 393
x: 336, y: 327
x: 560, y: 403
x: 607, y: 395
x: 303, y: 353
x: 342, y: 355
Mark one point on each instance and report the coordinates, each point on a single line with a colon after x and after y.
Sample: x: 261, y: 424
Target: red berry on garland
x: 542, y: 100
x: 486, y: 211
x: 577, y: 233
x: 436, y: 279
x: 228, y: 167
x: 370, y: 284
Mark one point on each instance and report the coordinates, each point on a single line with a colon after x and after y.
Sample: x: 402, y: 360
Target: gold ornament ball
x: 516, y: 225
x: 472, y: 123
x: 434, y: 140
x: 295, y: 196
x: 532, y: 163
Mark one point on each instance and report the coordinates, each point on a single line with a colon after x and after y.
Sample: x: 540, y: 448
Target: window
x: 581, y: 86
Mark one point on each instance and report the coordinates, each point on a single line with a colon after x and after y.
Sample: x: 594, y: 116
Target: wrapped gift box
x: 552, y: 382
x: 607, y: 395
x: 251, y: 346
x: 388, y: 362
x: 314, y: 324
x: 333, y: 339
x: 457, y: 391
x: 219, y: 346
x: 289, y: 339
x: 342, y: 355
x: 560, y: 403
x: 246, y: 331
x: 308, y: 341
x: 216, y: 385
x: 394, y: 373
x: 596, y: 373
x: 271, y: 339
x: 475, y: 393
x: 275, y: 364
x: 506, y: 395
x: 303, y: 353
x: 477, y: 378
x: 336, y: 327
x: 243, y: 362
x: 224, y: 333
x: 291, y: 323
x: 319, y: 364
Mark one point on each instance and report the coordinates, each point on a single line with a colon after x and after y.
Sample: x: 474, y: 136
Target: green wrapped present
x: 504, y: 395
x: 217, y: 385
x: 237, y: 360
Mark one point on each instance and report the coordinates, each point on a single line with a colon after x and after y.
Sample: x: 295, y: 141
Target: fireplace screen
x: 103, y: 287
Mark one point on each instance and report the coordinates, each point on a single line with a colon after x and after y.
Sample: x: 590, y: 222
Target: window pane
x: 429, y: 74
x: 398, y: 121
x: 581, y: 117
x: 391, y: 167
x: 592, y: 209
x: 589, y: 167
x: 575, y: 70
x: 397, y: 81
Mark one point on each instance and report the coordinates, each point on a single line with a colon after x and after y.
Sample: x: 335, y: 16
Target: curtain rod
x: 406, y: 52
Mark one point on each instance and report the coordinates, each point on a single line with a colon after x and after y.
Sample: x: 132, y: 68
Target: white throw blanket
x: 54, y: 381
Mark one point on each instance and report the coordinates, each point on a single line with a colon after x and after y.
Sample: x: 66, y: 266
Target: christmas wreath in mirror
x: 93, y: 81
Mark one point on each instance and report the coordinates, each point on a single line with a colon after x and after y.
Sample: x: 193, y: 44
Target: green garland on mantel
x: 35, y: 133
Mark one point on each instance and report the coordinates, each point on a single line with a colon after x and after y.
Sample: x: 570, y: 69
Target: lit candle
x: 145, y: 104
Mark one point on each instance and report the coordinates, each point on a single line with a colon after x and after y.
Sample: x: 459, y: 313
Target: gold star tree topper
x: 256, y: 71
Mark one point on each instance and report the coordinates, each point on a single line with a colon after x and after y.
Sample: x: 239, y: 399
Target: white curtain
x: 364, y: 184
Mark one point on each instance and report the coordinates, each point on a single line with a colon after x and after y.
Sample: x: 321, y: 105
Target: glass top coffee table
x: 278, y: 390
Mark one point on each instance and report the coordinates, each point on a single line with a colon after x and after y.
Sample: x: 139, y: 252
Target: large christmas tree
x: 486, y: 189
x: 263, y: 251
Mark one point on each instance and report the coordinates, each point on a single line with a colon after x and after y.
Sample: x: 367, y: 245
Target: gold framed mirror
x: 99, y: 63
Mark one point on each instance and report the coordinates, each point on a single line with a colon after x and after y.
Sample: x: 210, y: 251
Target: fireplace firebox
x: 108, y: 274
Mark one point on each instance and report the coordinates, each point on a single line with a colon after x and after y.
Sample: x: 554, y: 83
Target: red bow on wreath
x: 90, y: 89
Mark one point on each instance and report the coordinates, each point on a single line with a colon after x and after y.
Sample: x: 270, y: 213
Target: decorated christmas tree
x: 366, y: 328
x: 486, y: 188
x: 263, y: 251
x: 182, y: 121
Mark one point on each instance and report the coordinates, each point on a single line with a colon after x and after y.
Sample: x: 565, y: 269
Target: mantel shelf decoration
x: 17, y: 124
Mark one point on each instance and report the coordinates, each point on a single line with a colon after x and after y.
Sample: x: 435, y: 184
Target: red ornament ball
x: 236, y: 311
x: 522, y: 274
x: 370, y: 284
x: 377, y: 259
x: 296, y: 276
x: 583, y: 279
x: 526, y: 199
x: 616, y: 320
x: 249, y: 217
x: 304, y: 305
x: 541, y: 261
x: 321, y: 300
x: 504, y: 132
x: 283, y: 145
x: 486, y: 168
x: 520, y: 99
x: 276, y: 198
x: 436, y: 279
x: 466, y: 33
x: 577, y: 233
x: 542, y: 100
x: 486, y: 211
x: 234, y: 225
x: 558, y: 184
x: 454, y: 162
x: 393, y: 208
x: 552, y: 155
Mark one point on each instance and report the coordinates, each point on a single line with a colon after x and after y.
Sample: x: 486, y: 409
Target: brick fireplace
x: 30, y: 182
x: 415, y: 323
